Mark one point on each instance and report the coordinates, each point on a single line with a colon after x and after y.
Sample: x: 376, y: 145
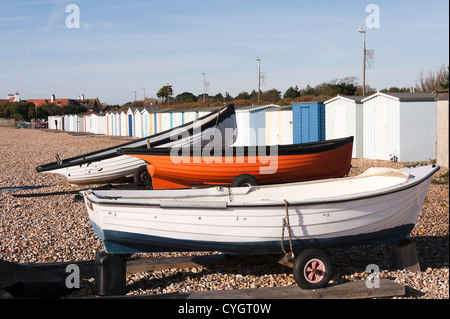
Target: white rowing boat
x: 379, y: 206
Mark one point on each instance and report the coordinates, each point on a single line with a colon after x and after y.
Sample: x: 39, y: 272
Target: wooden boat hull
x: 106, y: 165
x: 268, y: 164
x: 363, y: 210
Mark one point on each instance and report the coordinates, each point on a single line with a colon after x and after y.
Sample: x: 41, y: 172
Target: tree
x: 186, y: 97
x: 342, y: 88
x: 218, y: 97
x: 308, y: 91
x: 435, y: 81
x: 292, y: 92
x: 165, y: 93
x: 445, y: 80
x: 272, y: 95
x: 243, y: 96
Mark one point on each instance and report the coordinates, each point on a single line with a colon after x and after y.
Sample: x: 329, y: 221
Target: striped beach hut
x: 279, y: 125
x: 251, y: 124
x: 177, y: 117
x: 130, y: 120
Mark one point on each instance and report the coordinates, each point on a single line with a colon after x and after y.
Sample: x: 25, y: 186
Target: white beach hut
x: 279, y: 125
x: 87, y: 123
x: 251, y: 124
x: 117, y: 126
x: 56, y: 122
x: 400, y: 126
x: 343, y: 118
x: 166, y: 120
x: 190, y: 115
x: 123, y: 123
x: 78, y: 123
x: 138, y: 131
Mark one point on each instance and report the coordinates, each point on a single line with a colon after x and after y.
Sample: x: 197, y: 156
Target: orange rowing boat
x: 186, y: 167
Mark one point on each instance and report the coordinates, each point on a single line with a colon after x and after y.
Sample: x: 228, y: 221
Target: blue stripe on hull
x: 123, y: 242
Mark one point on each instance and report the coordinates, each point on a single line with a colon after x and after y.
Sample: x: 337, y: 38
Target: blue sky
x: 125, y: 46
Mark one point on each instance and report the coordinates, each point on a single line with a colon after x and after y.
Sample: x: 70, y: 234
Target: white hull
x: 369, y: 209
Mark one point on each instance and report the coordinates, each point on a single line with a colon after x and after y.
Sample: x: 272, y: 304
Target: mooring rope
x: 286, y: 220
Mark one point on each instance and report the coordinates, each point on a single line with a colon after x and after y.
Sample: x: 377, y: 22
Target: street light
x: 143, y: 103
x: 204, y: 83
x: 361, y: 30
x: 259, y: 76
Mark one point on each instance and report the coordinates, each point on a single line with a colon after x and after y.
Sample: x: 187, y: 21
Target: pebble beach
x: 56, y: 228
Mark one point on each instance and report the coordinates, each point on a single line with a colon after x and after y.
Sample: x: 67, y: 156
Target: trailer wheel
x: 142, y: 176
x: 312, y: 269
x: 244, y: 180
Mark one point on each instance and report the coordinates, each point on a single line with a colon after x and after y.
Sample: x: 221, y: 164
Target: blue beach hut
x: 308, y: 122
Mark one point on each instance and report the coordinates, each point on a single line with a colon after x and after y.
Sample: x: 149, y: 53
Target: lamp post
x: 361, y: 30
x: 143, y: 103
x: 259, y: 77
x: 204, y: 83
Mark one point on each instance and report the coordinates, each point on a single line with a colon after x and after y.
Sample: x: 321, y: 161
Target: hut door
x: 381, y: 131
x: 340, y: 127
x: 304, y: 111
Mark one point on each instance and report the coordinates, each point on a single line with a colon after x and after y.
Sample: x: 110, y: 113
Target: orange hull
x: 188, y: 171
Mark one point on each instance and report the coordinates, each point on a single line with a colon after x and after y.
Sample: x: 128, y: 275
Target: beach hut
x: 138, y: 132
x: 442, y: 130
x: 400, y: 126
x: 108, y: 123
x: 123, y: 123
x: 251, y: 124
x: 146, y: 122
x: 87, y: 123
x: 279, y: 125
x: 177, y: 117
x: 98, y: 123
x: 165, y: 120
x: 130, y: 117
x: 118, y: 124
x: 190, y: 115
x: 66, y: 123
x: 308, y: 122
x: 56, y: 122
x: 78, y: 122
x: 344, y: 117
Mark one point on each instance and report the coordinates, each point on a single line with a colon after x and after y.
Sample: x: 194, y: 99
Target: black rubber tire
x: 305, y: 258
x: 244, y: 180
x: 142, y: 176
